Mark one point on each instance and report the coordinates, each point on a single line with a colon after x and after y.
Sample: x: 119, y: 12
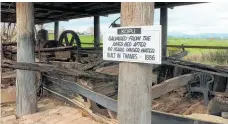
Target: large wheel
x: 69, y: 41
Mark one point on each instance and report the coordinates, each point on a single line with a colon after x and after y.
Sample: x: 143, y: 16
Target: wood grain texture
x: 170, y: 85
x: 25, y: 82
x: 135, y: 80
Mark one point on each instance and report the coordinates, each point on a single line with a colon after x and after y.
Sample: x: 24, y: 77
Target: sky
x: 189, y: 19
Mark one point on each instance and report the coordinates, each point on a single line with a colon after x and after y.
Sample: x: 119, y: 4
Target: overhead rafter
x: 46, y: 12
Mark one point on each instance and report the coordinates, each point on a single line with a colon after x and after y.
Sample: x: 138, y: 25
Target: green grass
x: 199, y: 42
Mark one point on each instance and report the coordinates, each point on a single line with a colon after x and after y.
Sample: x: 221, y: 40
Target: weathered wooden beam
x: 223, y: 74
x: 9, y: 74
x: 170, y: 85
x: 135, y: 80
x: 46, y: 49
x: 25, y: 84
x: 75, y: 87
x: 57, y: 70
x: 10, y: 44
x: 163, y: 23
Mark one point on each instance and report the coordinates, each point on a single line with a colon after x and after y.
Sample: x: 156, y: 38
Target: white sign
x: 133, y: 44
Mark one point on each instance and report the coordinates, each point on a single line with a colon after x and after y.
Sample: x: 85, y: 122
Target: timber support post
x: 96, y: 31
x: 135, y: 79
x: 56, y: 30
x: 25, y: 82
x: 163, y: 23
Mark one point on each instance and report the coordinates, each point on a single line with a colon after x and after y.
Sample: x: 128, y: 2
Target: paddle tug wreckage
x: 181, y: 91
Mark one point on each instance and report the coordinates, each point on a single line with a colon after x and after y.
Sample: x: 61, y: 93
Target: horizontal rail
x: 10, y: 44
x: 15, y: 43
x: 92, y: 43
x: 199, y: 47
x: 111, y: 104
x: 54, y: 49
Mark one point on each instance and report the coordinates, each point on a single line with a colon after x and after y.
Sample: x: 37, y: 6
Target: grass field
x: 208, y: 56
x: 199, y: 42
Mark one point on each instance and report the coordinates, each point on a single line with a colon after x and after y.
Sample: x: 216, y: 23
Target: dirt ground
x: 178, y: 103
x: 45, y: 102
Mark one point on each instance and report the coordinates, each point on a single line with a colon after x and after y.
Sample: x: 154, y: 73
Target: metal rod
x: 199, y: 47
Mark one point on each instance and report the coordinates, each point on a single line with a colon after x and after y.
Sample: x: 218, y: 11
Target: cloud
x: 199, y: 18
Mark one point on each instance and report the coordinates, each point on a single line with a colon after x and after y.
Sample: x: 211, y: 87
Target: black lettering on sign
x: 149, y: 57
x: 129, y: 31
x: 127, y: 44
x: 118, y: 49
x: 146, y: 38
x: 147, y: 50
x: 117, y: 44
x: 111, y: 55
x: 117, y: 38
x: 135, y: 38
x: 130, y: 56
x: 139, y: 44
x: 109, y: 48
x: 133, y: 50
x: 118, y: 55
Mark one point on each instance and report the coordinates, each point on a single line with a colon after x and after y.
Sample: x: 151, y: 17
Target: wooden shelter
x: 28, y: 14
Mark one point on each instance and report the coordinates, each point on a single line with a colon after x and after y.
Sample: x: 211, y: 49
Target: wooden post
x: 56, y: 30
x: 25, y: 82
x: 96, y: 31
x: 163, y: 22
x: 135, y: 79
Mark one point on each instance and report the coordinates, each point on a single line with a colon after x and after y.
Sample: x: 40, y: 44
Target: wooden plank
x: 48, y: 49
x: 14, y: 43
x: 25, y: 84
x: 170, y: 85
x: 58, y: 70
x: 135, y: 80
x: 9, y: 74
x: 74, y: 87
x: 195, y: 69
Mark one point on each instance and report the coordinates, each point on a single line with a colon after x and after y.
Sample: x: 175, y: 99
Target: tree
x: 90, y: 30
